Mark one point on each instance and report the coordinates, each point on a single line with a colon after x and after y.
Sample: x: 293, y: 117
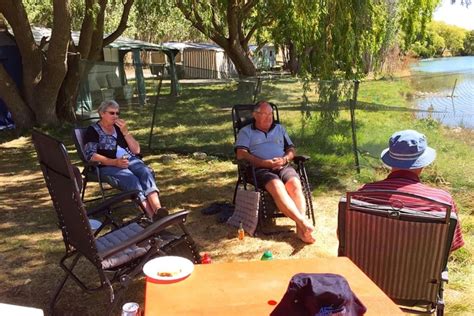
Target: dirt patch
x: 32, y: 244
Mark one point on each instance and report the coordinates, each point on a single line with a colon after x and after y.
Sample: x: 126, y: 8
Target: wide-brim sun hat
x: 408, y: 149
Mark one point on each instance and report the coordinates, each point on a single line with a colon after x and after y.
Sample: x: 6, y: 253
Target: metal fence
x: 197, y: 118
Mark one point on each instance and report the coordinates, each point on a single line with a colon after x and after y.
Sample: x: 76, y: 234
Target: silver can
x: 131, y: 309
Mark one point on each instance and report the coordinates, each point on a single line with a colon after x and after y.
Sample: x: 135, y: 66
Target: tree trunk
x: 51, y: 77
x: 66, y: 103
x: 293, y: 64
x: 22, y: 115
x: 242, y: 61
x: 367, y: 62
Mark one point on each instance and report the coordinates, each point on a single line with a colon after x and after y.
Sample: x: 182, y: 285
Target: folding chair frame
x: 268, y: 211
x: 403, y: 250
x: 118, y: 254
x: 91, y: 171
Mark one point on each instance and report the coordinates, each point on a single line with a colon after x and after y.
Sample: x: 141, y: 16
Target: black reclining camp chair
x: 268, y: 212
x: 400, y: 245
x: 91, y: 170
x: 118, y: 254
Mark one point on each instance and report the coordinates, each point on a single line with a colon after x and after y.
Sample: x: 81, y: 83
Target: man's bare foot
x: 305, y: 233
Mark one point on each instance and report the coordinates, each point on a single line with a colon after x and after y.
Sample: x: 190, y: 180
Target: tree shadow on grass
x: 33, y: 245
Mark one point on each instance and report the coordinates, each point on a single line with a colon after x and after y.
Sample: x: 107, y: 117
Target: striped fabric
x: 117, y: 237
x: 402, y: 257
x: 246, y: 210
x: 406, y: 181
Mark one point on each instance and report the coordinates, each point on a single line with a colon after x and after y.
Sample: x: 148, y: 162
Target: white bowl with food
x: 168, y: 269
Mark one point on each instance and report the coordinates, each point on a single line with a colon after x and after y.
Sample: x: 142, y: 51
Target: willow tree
x: 51, y: 71
x: 345, y: 39
x: 231, y: 24
x: 337, y: 42
x: 160, y: 21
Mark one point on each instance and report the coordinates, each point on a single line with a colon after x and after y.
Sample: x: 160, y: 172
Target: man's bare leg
x: 295, y: 191
x: 285, y: 203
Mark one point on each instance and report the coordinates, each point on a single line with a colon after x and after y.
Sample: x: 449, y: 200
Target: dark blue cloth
x: 10, y: 58
x: 314, y: 294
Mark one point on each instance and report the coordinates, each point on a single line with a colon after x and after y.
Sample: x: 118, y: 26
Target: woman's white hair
x: 107, y: 104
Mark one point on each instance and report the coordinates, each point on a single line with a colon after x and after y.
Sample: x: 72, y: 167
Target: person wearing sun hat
x: 408, y: 149
x: 407, y: 154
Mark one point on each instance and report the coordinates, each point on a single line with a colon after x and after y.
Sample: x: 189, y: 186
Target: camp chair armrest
x: 245, y: 163
x: 149, y: 231
x: 302, y: 158
x: 115, y: 199
x: 91, y: 166
x: 92, y: 163
x: 242, y: 163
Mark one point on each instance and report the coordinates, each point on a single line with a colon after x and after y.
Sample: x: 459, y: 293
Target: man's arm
x: 290, y: 154
x: 255, y: 161
x: 274, y: 163
x: 290, y: 151
x: 242, y: 153
x: 279, y: 162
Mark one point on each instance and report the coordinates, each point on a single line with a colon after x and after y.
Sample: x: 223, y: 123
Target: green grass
x: 384, y: 109
x: 200, y: 120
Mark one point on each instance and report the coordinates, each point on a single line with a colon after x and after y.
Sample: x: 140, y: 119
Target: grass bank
x: 199, y: 120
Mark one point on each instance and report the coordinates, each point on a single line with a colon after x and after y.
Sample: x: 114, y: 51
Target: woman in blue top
x: 110, y: 143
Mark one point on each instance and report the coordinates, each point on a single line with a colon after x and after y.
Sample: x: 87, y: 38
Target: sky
x: 455, y: 14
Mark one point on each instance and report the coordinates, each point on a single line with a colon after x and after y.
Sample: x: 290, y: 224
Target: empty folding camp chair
x: 117, y: 254
x: 268, y: 212
x: 399, y: 244
x: 99, y: 90
x: 122, y: 91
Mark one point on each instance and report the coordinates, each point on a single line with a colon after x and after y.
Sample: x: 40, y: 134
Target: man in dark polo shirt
x: 268, y: 147
x: 408, y: 153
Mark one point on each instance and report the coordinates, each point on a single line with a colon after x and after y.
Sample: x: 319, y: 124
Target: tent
x: 204, y: 60
x: 10, y: 58
x: 124, y: 45
x: 114, y: 63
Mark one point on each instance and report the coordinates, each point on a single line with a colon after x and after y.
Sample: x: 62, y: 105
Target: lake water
x: 446, y: 88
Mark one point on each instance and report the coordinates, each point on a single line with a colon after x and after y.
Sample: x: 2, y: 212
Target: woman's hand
x: 121, y: 163
x: 122, y: 125
x: 132, y: 144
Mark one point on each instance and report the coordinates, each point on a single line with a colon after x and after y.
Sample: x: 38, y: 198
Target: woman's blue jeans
x: 136, y: 177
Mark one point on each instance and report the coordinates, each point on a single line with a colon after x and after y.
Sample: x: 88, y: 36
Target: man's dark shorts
x: 266, y: 175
